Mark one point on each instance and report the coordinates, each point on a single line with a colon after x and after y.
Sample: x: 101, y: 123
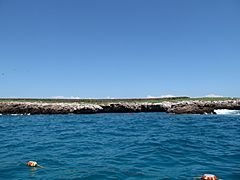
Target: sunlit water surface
x: 120, y: 146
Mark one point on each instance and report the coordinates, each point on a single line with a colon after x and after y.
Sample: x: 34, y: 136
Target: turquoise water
x: 120, y: 146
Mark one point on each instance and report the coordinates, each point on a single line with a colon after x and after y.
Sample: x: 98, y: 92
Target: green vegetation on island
x: 107, y: 101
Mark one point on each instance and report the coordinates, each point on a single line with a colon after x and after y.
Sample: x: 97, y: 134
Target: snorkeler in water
x: 33, y: 164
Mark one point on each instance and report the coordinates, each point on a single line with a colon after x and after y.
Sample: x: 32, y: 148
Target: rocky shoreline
x: 183, y: 107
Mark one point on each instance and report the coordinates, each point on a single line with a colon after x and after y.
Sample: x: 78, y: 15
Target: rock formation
x: 183, y: 107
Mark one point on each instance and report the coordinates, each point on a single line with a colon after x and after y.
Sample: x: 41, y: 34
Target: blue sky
x: 119, y: 48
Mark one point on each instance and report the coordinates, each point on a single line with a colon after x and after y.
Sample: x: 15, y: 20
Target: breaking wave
x: 16, y: 114
x: 227, y: 112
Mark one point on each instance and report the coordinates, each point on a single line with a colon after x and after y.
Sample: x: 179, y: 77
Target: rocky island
x: 170, y: 105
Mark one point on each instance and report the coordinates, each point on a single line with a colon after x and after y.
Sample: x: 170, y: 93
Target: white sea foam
x: 17, y: 114
x: 227, y: 112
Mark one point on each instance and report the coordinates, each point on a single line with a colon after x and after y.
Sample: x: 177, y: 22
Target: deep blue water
x: 120, y: 146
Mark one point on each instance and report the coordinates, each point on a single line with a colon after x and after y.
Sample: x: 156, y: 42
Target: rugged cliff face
x: 184, y: 107
x: 47, y: 108
x: 202, y: 107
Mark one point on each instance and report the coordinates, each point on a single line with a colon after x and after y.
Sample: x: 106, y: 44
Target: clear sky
x: 119, y: 48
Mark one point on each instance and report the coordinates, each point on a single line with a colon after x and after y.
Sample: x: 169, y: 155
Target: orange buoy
x: 209, y: 177
x: 32, y: 163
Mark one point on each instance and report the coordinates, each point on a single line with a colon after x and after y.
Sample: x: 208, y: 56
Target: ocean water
x: 120, y: 146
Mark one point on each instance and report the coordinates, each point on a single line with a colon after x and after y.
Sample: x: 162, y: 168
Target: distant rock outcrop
x: 183, y: 107
x: 47, y: 108
x: 202, y: 107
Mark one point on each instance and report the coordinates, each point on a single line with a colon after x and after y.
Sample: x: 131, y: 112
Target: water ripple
x: 120, y: 146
